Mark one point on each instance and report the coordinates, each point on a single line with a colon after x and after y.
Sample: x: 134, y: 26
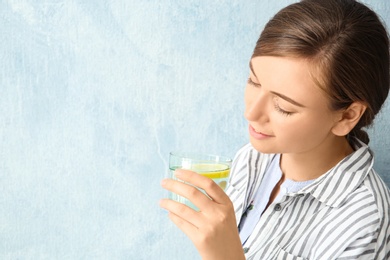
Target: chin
x: 263, y: 148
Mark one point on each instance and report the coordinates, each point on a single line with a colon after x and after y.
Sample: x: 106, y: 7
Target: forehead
x: 292, y: 77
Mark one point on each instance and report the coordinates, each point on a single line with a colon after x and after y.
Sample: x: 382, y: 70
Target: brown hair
x: 347, y: 46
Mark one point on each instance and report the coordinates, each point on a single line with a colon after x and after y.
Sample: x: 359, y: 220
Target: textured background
x: 93, y: 96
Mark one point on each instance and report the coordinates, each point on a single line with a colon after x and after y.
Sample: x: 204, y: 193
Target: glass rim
x: 200, y: 156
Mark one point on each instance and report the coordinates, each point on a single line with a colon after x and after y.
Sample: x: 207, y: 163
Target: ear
x: 348, y: 118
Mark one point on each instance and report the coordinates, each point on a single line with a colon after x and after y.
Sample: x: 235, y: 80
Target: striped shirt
x: 344, y: 214
x: 271, y: 177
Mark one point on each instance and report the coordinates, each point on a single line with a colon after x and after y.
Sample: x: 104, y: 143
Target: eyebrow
x: 251, y: 67
x: 292, y: 101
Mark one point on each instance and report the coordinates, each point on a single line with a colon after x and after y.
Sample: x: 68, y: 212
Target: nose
x: 256, y: 109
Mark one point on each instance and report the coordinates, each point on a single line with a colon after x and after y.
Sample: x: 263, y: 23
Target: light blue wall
x: 93, y: 96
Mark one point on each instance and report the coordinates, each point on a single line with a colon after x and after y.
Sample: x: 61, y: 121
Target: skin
x: 287, y: 114
x: 283, y: 102
x: 213, y: 229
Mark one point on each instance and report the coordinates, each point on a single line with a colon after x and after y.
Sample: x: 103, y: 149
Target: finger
x: 208, y: 185
x: 182, y: 211
x: 188, y: 191
x: 188, y: 228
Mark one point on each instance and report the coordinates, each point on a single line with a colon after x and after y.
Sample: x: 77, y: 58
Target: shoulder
x: 378, y: 190
x: 381, y: 195
x: 371, y: 199
x: 368, y: 211
x: 360, y: 224
x: 374, y: 188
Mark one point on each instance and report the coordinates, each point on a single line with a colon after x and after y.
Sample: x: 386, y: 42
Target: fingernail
x: 163, y: 182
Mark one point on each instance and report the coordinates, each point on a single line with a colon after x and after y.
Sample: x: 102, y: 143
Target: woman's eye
x: 282, y: 111
x: 250, y: 82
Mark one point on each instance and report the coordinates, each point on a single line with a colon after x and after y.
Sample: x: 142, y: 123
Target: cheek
x: 287, y: 126
x: 303, y: 128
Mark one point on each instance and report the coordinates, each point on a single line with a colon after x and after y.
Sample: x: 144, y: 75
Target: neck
x: 314, y: 163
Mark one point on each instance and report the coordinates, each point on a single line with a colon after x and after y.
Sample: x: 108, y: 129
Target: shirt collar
x: 333, y: 187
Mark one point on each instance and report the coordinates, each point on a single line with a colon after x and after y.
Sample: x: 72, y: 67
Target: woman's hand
x: 213, y: 229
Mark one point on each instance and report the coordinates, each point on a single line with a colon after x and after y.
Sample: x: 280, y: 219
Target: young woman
x: 304, y: 187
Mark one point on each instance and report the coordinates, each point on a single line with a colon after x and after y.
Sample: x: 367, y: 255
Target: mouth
x: 258, y: 134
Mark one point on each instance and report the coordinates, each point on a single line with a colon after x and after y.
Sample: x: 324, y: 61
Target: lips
x: 258, y: 135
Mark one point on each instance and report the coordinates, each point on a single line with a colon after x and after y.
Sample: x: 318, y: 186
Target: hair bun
x: 359, y: 134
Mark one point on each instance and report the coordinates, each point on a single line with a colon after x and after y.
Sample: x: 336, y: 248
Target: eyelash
x: 283, y: 112
x: 250, y: 82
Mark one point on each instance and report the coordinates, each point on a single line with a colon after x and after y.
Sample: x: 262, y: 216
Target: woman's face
x: 286, y: 111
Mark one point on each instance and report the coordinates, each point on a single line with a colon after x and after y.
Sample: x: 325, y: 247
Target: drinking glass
x: 214, y: 167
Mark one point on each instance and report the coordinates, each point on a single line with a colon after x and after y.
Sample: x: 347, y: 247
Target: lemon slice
x: 213, y: 171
